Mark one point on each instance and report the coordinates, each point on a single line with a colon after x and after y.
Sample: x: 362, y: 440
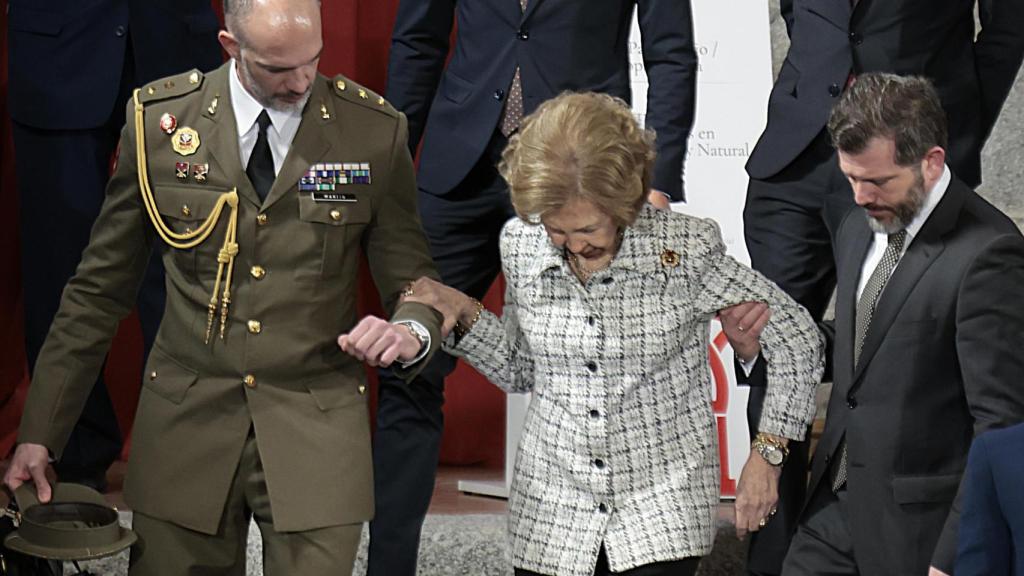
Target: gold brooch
x: 670, y: 258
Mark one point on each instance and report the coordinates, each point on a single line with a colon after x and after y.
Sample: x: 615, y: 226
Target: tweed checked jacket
x: 619, y: 443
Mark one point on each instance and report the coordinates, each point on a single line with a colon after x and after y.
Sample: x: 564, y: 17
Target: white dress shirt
x: 284, y: 124
x: 881, y: 239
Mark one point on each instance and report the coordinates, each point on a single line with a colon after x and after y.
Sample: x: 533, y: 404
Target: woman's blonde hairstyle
x: 587, y: 146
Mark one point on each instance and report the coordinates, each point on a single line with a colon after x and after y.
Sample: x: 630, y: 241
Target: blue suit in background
x: 72, y: 66
x: 991, y: 538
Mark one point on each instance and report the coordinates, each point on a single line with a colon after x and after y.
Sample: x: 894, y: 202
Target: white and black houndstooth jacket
x: 619, y: 444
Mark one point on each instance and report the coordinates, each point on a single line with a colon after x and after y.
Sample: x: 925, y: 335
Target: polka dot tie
x: 865, y: 311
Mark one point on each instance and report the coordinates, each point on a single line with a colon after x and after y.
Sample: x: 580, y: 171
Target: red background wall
x: 356, y: 41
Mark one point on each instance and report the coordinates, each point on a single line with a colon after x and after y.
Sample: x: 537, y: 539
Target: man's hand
x: 659, y: 200
x: 933, y: 571
x: 756, y: 494
x: 29, y: 463
x: 742, y: 325
x: 379, y: 342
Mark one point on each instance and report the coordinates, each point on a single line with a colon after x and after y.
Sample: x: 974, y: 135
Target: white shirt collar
x: 247, y: 109
x: 934, y: 196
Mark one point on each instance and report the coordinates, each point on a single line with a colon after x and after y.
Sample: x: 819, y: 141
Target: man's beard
x: 266, y: 100
x: 904, y: 212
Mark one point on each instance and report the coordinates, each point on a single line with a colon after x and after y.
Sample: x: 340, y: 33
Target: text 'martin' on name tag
x: 334, y: 197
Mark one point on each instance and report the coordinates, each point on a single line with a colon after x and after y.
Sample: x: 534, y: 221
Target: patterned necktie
x: 261, y: 163
x: 865, y: 311
x: 512, y: 115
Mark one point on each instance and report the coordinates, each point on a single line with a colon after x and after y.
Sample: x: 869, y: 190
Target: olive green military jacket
x: 277, y: 369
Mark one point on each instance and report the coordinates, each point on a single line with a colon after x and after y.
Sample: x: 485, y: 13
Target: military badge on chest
x: 329, y: 176
x: 185, y: 142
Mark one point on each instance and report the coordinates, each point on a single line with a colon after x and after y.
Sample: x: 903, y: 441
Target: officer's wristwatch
x: 771, y: 450
x: 419, y: 332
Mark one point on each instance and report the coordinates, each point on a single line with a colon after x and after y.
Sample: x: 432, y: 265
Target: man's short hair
x: 904, y: 109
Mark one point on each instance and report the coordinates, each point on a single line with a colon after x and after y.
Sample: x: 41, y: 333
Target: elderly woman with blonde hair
x: 606, y: 322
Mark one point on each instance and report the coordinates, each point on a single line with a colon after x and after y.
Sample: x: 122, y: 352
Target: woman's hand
x: 742, y: 325
x: 451, y: 303
x: 757, y: 493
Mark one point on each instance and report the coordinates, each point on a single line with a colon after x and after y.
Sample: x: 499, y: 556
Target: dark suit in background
x: 456, y: 110
x: 991, y: 538
x: 72, y: 67
x: 797, y: 197
x: 940, y: 363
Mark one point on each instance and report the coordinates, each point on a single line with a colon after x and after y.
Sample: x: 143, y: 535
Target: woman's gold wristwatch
x: 770, y: 449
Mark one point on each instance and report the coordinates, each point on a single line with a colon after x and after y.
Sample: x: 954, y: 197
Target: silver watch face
x: 773, y: 456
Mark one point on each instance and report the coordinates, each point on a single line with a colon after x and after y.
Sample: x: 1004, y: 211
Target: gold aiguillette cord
x: 226, y: 256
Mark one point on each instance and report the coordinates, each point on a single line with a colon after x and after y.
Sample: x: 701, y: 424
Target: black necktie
x: 261, y: 164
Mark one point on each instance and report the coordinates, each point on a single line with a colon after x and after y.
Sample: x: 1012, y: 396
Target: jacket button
x: 255, y: 327
x: 120, y: 31
x: 258, y: 272
x: 607, y: 280
x: 336, y: 215
x: 523, y: 34
x: 851, y: 402
x: 362, y: 389
x: 593, y: 413
x: 598, y: 463
x: 590, y: 320
x: 834, y: 90
x: 499, y: 94
x: 249, y: 381
x: 603, y: 508
x: 592, y: 366
x: 152, y: 375
x: 856, y: 39
x: 185, y: 210
x: 261, y: 219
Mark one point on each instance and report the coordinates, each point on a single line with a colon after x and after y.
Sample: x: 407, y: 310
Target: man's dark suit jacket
x: 830, y: 40
x: 992, y: 521
x: 66, y: 56
x: 941, y: 362
x: 559, y: 45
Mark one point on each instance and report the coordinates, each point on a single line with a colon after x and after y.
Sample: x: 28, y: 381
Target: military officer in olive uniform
x: 261, y: 183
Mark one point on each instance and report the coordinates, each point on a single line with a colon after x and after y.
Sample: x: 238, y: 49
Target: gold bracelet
x: 460, y: 329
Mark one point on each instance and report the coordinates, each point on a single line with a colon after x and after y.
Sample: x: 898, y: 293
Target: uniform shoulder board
x: 171, y: 86
x: 352, y: 92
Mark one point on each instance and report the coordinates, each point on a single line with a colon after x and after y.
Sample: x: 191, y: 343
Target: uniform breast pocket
x: 183, y: 211
x: 329, y: 236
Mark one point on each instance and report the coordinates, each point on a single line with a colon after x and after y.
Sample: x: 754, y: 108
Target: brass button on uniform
x: 261, y: 219
x: 255, y: 327
x: 249, y: 380
x: 257, y: 272
x: 186, y: 211
x: 336, y: 215
x: 152, y: 375
x: 362, y: 389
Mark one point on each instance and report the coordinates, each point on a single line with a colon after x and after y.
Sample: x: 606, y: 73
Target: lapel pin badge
x: 669, y: 258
